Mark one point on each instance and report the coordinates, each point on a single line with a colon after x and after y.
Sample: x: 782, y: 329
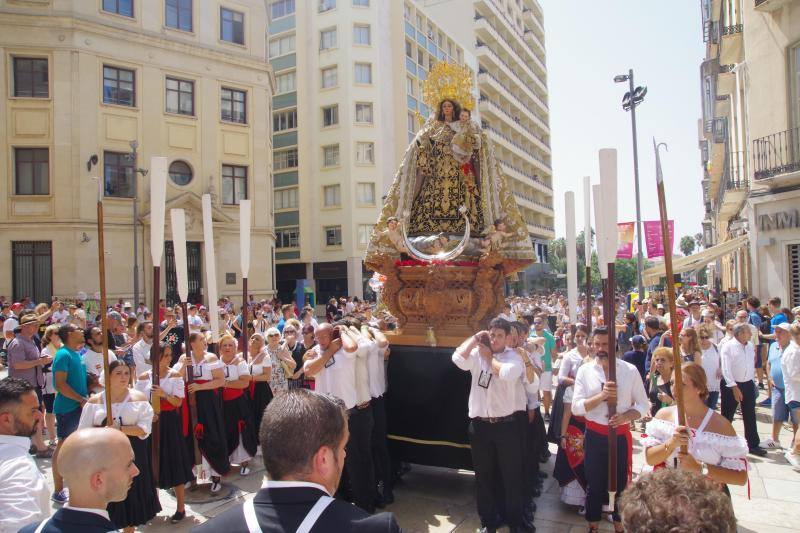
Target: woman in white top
x: 51, y: 343
x: 713, y: 447
x: 282, y: 363
x: 261, y: 371
x: 132, y: 414
x: 175, y: 461
x: 711, y: 364
x: 236, y: 408
x: 209, y: 430
x: 260, y: 324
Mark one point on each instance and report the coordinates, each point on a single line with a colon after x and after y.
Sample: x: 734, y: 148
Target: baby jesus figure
x: 392, y: 236
x: 465, y: 141
x: 494, y: 237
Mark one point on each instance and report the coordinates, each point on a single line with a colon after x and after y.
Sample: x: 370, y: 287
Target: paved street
x: 441, y: 500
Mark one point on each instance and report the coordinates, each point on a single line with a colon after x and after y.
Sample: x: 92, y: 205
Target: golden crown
x: 448, y: 81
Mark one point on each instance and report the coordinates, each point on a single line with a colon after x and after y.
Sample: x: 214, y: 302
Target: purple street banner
x: 654, y: 240
x: 625, y: 240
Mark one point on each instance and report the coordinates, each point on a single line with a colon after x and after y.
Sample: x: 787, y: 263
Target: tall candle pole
x: 244, y: 250
x: 673, y: 316
x: 158, y: 193
x: 587, y: 245
x: 572, y: 256
x: 608, y: 186
x: 101, y: 265
x: 211, y: 268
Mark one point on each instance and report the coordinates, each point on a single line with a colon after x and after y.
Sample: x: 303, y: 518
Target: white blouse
x: 257, y: 369
x: 171, y: 385
x: 710, y: 363
x: 710, y: 448
x: 234, y: 371
x: 202, y: 371
x: 127, y: 413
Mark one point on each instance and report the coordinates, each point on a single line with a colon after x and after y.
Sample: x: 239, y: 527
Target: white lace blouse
x: 705, y: 446
x: 127, y: 413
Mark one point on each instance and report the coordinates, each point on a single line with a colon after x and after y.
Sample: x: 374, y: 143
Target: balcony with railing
x: 483, y: 48
x: 777, y: 155
x: 542, y: 206
x: 734, y: 186
x: 538, y: 182
x: 486, y: 31
x: 508, y: 94
x: 770, y: 5
x: 521, y: 128
x: 523, y: 151
x: 517, y: 36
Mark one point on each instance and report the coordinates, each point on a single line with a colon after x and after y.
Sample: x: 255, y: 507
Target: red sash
x: 231, y: 394
x: 166, y: 406
x: 622, y: 431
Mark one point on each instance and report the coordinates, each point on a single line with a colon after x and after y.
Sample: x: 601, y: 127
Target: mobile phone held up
x: 336, y: 333
x: 484, y: 339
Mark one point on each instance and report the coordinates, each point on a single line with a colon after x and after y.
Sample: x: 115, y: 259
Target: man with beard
x: 496, y: 397
x: 24, y: 496
x: 592, y: 393
x: 303, y: 471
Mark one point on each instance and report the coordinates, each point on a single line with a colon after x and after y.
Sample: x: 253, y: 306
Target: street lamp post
x: 133, y: 157
x: 632, y: 98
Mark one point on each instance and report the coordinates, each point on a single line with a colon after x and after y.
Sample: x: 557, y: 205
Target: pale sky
x: 588, y: 43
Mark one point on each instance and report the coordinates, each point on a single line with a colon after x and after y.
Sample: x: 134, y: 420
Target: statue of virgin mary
x: 448, y: 174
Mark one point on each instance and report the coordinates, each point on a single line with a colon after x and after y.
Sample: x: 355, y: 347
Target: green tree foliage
x: 687, y: 245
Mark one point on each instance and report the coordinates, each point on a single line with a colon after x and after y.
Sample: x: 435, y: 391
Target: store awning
x: 694, y: 261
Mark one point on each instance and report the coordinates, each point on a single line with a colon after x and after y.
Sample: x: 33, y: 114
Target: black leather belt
x: 495, y: 420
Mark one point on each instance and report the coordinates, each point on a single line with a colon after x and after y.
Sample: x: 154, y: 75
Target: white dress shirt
x: 141, y: 354
x: 24, y: 495
x: 377, y: 370
x: 502, y: 396
x: 94, y: 361
x: 362, y: 370
x: 570, y: 362
x: 711, y: 365
x: 738, y: 362
x: 530, y: 388
x: 589, y: 382
x: 790, y: 365
x: 339, y: 378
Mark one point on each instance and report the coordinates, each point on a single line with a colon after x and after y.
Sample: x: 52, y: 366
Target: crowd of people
x: 539, y: 375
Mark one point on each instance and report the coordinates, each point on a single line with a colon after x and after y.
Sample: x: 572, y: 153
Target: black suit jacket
x: 281, y: 510
x: 72, y: 521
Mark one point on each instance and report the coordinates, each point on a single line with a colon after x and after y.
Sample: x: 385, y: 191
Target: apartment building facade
x: 348, y: 94
x: 750, y: 146
x: 83, y: 83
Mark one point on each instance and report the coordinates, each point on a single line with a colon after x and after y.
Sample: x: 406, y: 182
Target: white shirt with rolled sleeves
x: 24, y: 494
x: 531, y: 388
x: 790, y: 365
x: 589, y: 382
x: 362, y: 370
x: 738, y: 362
x: 339, y: 378
x: 141, y: 354
x: 501, y: 397
x: 377, y: 370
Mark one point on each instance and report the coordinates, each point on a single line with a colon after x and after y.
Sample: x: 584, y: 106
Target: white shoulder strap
x: 314, y: 514
x: 704, y: 423
x: 249, y: 517
x: 41, y: 525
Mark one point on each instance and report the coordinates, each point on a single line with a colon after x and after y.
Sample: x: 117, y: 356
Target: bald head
x: 97, y: 466
x: 324, y: 334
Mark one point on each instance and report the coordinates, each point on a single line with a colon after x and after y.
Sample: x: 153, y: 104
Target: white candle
x: 178, y: 218
x: 599, y: 230
x: 608, y: 182
x: 158, y: 195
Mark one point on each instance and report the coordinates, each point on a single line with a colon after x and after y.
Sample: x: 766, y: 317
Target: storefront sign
x: 780, y: 220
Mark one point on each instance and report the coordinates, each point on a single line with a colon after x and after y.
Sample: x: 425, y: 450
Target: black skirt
x: 262, y: 395
x: 175, y: 461
x: 142, y: 503
x: 239, y: 424
x: 210, y: 431
x: 556, y: 414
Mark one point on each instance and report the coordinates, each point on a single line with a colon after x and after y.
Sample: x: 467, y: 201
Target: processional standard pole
x: 673, y: 322
x: 572, y: 256
x: 244, y: 250
x: 587, y: 245
x: 158, y: 193
x: 101, y: 265
x: 211, y: 269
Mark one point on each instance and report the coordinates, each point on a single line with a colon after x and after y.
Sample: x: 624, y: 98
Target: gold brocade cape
x: 429, y: 159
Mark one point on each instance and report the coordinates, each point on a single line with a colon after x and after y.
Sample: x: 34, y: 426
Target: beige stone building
x: 349, y: 78
x: 82, y: 79
x: 751, y: 144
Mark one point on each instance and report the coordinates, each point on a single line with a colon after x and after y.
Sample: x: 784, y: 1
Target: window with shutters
x: 284, y: 120
x: 794, y: 275
x: 32, y: 270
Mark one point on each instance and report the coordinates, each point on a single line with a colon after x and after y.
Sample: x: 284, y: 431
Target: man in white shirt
x: 695, y: 317
x: 24, y: 495
x: 790, y: 365
x: 92, y: 357
x: 195, y: 322
x: 141, y: 350
x: 333, y: 366
x: 496, y: 394
x: 376, y: 357
x: 738, y: 362
x: 60, y: 315
x: 591, y: 395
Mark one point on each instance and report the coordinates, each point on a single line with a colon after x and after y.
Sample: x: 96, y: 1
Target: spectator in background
x: 637, y: 354
x: 652, y: 329
x: 23, y: 489
x: 780, y: 411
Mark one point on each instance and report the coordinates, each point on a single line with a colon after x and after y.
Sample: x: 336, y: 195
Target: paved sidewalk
x: 442, y: 500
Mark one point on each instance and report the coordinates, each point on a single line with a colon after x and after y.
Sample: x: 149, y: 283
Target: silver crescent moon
x: 441, y: 256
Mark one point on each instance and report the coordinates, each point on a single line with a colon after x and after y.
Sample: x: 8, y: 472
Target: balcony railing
x: 518, y: 146
x: 776, y: 154
x: 483, y: 46
x: 731, y: 30
x: 515, y: 119
x: 532, y: 177
x: 513, y: 95
x: 533, y: 200
x: 733, y: 175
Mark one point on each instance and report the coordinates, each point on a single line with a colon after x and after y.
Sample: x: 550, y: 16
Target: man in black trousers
x: 306, y: 435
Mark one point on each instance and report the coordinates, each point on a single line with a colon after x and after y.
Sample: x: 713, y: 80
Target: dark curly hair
x: 676, y: 501
x: 456, y: 110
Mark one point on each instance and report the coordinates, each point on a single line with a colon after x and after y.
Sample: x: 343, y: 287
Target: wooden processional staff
x: 587, y: 246
x: 178, y: 218
x: 101, y: 265
x: 244, y: 251
x: 670, y: 284
x: 605, y: 207
x: 158, y: 193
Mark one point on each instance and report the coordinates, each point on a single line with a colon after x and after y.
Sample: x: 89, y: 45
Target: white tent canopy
x: 694, y: 261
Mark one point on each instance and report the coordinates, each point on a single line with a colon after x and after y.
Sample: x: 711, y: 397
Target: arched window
x: 180, y: 173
